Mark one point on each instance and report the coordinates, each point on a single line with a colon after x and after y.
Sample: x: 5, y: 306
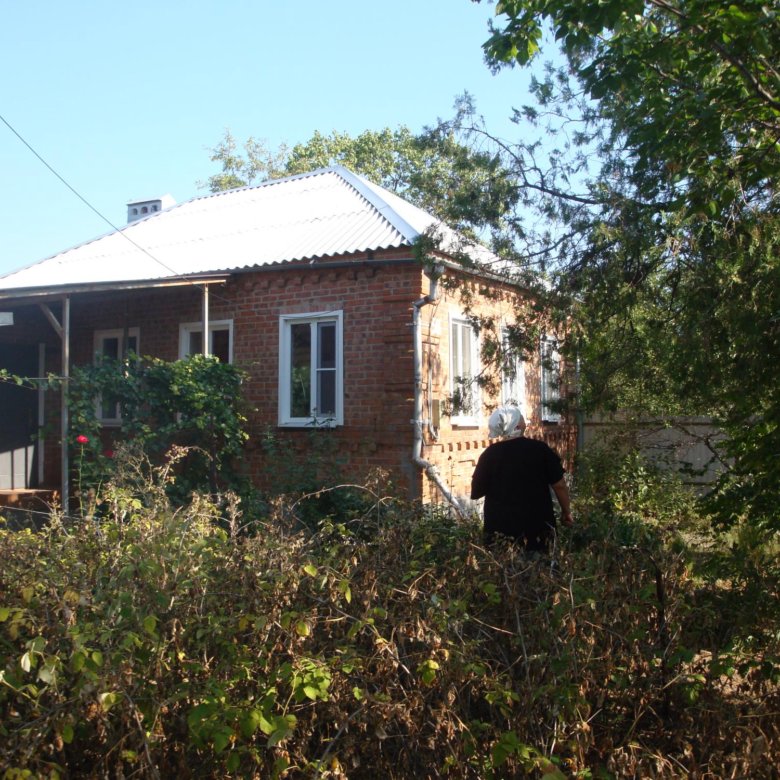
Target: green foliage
x: 667, y: 255
x: 691, y: 87
x: 193, y: 403
x: 466, y: 187
x: 309, y: 479
x: 616, y: 484
x: 240, y: 168
x: 162, y: 642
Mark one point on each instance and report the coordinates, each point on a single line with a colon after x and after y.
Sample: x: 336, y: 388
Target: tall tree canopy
x: 649, y: 193
x: 464, y: 186
x: 670, y: 256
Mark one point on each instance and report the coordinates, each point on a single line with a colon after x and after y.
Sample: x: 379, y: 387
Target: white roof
x: 330, y: 211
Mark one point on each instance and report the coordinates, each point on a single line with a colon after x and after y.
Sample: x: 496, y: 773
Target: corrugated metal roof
x: 330, y: 211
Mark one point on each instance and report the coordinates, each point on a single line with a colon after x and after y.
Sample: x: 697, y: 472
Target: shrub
x: 193, y: 403
x: 162, y: 642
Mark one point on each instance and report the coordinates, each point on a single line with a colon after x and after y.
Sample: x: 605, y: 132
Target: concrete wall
x: 688, y: 445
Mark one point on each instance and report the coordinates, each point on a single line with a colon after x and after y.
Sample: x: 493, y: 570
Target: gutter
x: 428, y: 468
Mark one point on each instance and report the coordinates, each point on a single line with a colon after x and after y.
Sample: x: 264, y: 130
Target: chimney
x: 138, y: 209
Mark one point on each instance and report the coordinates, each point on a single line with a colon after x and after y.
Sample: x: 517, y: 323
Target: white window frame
x: 512, y: 375
x: 459, y: 417
x: 549, y: 378
x: 188, y: 328
x: 100, y: 337
x: 286, y: 321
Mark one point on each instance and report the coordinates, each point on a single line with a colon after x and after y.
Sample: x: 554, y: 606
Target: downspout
x: 429, y: 468
x: 204, y: 316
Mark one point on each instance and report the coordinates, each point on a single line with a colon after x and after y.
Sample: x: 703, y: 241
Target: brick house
x: 313, y: 284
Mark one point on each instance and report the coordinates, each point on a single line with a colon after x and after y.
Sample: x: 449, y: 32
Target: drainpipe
x: 204, y: 316
x: 429, y: 468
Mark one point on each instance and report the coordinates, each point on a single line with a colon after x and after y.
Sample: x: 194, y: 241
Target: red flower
x: 82, y: 439
x: 108, y: 453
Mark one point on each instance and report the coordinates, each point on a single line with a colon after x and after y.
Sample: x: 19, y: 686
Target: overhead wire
x: 162, y: 264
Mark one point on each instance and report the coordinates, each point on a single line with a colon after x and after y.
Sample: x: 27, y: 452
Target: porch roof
x: 325, y: 213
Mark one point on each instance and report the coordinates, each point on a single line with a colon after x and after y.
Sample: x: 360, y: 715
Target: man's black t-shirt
x: 514, y: 476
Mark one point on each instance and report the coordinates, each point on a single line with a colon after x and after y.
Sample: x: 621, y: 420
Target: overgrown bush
x: 618, y: 484
x: 164, y: 642
x: 193, y: 403
x: 303, y: 468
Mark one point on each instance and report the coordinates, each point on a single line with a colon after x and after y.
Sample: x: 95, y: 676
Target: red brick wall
x: 376, y: 297
x: 378, y: 371
x: 456, y: 449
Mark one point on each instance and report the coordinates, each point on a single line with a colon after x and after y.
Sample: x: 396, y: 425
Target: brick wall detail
x: 376, y: 299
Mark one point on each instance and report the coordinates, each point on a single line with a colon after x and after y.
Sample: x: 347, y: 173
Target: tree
x: 462, y: 185
x: 465, y: 185
x: 670, y: 258
x: 239, y: 169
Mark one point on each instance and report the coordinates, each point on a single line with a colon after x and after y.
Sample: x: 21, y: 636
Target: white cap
x: 504, y: 421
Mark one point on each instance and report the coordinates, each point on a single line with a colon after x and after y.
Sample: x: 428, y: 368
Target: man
x: 515, y: 476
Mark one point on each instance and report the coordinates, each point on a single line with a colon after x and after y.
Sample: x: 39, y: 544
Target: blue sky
x: 124, y: 99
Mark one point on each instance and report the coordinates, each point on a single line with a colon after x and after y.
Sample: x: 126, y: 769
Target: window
x: 512, y: 376
x: 113, y: 345
x: 464, y: 369
x: 220, y: 339
x: 550, y: 391
x: 310, y: 369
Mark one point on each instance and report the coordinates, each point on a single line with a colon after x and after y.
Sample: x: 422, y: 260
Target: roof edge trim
x: 33, y: 294
x: 381, y: 205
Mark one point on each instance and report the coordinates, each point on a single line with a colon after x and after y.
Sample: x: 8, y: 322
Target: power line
x: 99, y: 213
x: 72, y: 189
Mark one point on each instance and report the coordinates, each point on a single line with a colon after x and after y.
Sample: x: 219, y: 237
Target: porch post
x: 41, y: 446
x: 64, y: 400
x: 205, y: 319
